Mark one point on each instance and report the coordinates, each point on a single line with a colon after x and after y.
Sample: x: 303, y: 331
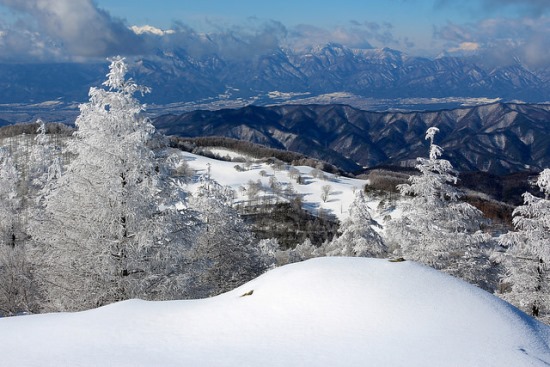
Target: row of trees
x: 437, y: 229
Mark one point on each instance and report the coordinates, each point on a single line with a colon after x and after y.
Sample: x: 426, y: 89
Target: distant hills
x: 176, y: 76
x: 498, y: 138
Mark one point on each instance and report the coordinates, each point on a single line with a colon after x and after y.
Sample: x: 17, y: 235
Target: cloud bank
x: 78, y: 30
x: 502, y: 42
x: 75, y: 27
x: 69, y: 30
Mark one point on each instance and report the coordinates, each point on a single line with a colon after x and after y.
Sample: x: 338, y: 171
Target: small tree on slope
x: 435, y: 228
x: 528, y: 253
x: 358, y: 236
x: 104, y: 237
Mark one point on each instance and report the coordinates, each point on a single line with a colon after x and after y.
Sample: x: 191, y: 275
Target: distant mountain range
x: 299, y: 91
x: 176, y: 76
x: 499, y: 138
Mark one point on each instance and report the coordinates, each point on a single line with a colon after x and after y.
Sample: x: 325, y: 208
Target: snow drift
x: 322, y: 312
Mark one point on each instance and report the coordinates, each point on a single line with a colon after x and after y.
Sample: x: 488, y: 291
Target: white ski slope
x: 322, y: 312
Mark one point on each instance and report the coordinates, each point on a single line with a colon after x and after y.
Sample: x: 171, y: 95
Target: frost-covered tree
x: 10, y: 200
x: 528, y: 260
x: 18, y: 288
x: 42, y: 156
x: 253, y: 190
x: 435, y: 228
x: 226, y: 254
x: 104, y: 236
x: 325, y: 192
x: 357, y: 234
x: 268, y: 249
x: 302, y: 251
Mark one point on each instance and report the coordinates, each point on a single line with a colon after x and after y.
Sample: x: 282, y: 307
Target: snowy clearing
x: 322, y: 312
x: 342, y: 189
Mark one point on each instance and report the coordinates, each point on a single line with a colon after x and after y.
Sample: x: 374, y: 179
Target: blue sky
x: 293, y: 12
x: 79, y: 29
x: 319, y: 12
x: 412, y: 19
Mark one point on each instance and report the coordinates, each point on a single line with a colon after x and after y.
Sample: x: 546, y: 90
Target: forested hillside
x: 498, y: 138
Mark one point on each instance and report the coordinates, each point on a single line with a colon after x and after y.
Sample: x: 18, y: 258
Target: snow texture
x: 322, y: 312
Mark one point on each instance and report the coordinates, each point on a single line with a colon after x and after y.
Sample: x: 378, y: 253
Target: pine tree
x: 435, y: 228
x: 226, y: 254
x: 104, y: 236
x: 357, y: 234
x: 528, y: 253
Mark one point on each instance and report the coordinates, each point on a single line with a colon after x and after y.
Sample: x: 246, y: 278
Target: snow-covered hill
x: 310, y: 190
x: 323, y: 312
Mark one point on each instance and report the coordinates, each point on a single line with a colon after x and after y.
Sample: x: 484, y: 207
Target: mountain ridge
x: 498, y: 138
x: 179, y: 76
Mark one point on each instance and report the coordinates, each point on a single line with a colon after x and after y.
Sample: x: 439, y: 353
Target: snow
x: 223, y: 152
x: 322, y: 312
x: 342, y: 188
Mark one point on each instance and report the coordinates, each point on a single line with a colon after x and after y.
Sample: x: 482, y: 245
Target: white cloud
x: 502, y: 41
x: 79, y: 26
x: 148, y: 29
x: 466, y: 46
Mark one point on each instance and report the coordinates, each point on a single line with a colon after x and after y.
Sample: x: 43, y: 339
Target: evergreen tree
x: 528, y: 253
x: 104, y: 235
x: 435, y: 228
x: 357, y: 234
x: 226, y: 254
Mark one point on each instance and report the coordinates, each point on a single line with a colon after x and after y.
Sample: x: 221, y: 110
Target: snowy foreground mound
x: 323, y: 312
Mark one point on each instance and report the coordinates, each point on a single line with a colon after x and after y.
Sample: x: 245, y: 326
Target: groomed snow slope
x: 322, y: 312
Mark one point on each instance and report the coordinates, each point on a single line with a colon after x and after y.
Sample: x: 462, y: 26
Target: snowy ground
x: 322, y: 312
x: 341, y: 195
